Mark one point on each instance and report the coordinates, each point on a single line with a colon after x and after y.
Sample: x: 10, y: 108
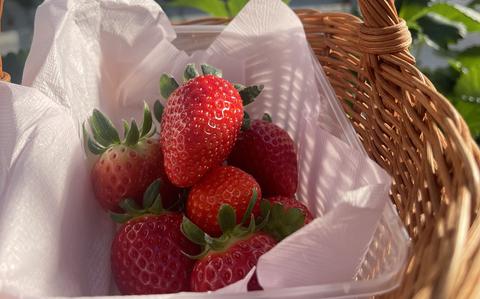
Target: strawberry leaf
x: 103, y: 130
x: 130, y: 206
x: 249, y: 93
x: 226, y: 218
x: 133, y: 134
x: 158, y: 111
x: 266, y: 117
x: 192, y: 232
x: 157, y: 206
x: 238, y: 86
x: 251, y: 204
x: 210, y: 70
x: 120, y: 218
x: 150, y: 194
x: 147, y: 121
x: 190, y: 72
x: 281, y: 222
x: 167, y: 85
x: 89, y: 144
x: 126, y: 128
x: 246, y: 121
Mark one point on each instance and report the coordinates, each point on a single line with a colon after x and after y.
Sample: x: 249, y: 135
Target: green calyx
x: 232, y: 232
x: 168, y: 84
x: 281, y: 222
x: 266, y: 117
x: 104, y: 134
x: 151, y: 205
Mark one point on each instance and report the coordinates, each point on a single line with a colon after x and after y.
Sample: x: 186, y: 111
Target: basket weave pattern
x: 414, y: 133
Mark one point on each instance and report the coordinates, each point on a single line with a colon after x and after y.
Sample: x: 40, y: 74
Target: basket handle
x: 382, y: 32
x: 3, y: 75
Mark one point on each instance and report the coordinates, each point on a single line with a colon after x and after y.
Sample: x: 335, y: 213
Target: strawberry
x: 291, y: 202
x: 126, y: 167
x: 147, y: 254
x: 229, y: 258
x: 223, y: 185
x: 267, y: 153
x: 200, y: 122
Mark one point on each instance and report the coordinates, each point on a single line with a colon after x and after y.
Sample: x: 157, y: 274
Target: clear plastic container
x: 385, y: 259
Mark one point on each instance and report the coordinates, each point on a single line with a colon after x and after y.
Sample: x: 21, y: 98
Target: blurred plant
x: 215, y: 8
x: 440, y: 25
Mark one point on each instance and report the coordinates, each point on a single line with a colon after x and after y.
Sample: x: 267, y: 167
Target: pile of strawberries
x: 201, y: 198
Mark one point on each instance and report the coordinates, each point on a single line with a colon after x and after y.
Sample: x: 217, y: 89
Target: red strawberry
x: 148, y: 250
x: 268, y: 153
x: 291, y: 202
x: 125, y: 168
x: 229, y: 258
x: 200, y: 123
x: 223, y: 185
x: 219, y: 269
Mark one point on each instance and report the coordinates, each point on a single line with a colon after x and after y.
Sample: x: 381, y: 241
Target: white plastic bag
x: 55, y: 239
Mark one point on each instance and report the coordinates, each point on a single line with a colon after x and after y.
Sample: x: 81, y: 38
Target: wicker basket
x: 414, y: 133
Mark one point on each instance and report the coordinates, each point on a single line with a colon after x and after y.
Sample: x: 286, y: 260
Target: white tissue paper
x: 55, y: 239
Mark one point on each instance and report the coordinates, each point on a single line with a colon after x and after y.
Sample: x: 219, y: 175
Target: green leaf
x: 167, y: 85
x: 410, y: 8
x: 251, y: 205
x: 151, y: 193
x: 248, y: 94
x: 474, y: 3
x: 457, y: 13
x: 147, y: 120
x: 89, y: 144
x: 158, y: 111
x: 439, y: 31
x: 266, y: 117
x: 157, y: 206
x: 215, y: 8
x: 94, y: 147
x: 130, y: 206
x: 246, y: 121
x: 226, y: 218
x: 210, y: 70
x: 469, y: 57
x: 103, y: 130
x: 235, y: 6
x: 238, y: 86
x: 467, y: 98
x: 444, y: 79
x: 192, y: 232
x: 126, y: 128
x: 133, y: 135
x: 283, y: 222
x: 120, y: 218
x: 190, y: 72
